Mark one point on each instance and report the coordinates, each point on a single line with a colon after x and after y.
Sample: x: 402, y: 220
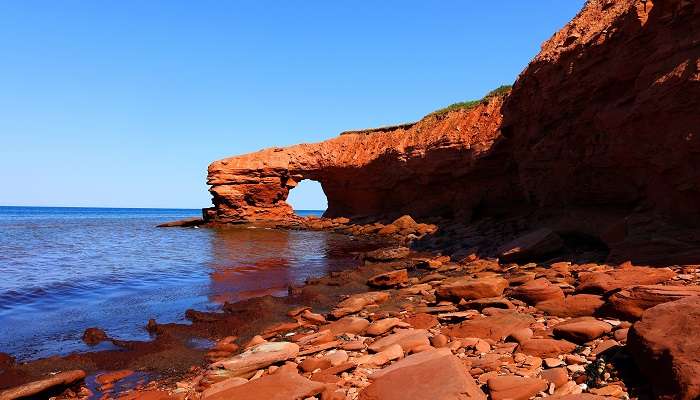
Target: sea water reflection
x: 64, y: 270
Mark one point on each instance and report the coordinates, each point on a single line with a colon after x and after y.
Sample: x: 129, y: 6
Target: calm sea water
x: 63, y: 270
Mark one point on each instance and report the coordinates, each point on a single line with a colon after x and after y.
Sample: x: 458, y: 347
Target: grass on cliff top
x: 465, y: 105
x: 468, y: 105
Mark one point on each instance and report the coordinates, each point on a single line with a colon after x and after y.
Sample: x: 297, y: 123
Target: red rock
x: 111, y: 377
x: 388, y: 254
x: 407, y: 339
x: 260, y: 356
x: 383, y: 325
x: 546, y: 347
x: 222, y: 386
x: 37, y: 387
x: 389, y: 279
x: 602, y: 282
x: 582, y: 330
x: 537, y: 291
x: 93, y: 336
x: 507, y: 387
x: 282, y: 385
x: 586, y: 166
x: 665, y: 346
x: 531, y: 246
x: 439, y: 341
x: 521, y: 335
x: 631, y: 302
x: 352, y: 325
x: 583, y: 396
x: 422, y: 321
x: 357, y: 302
x: 494, y: 327
x: 489, y: 302
x: 313, y: 363
x: 470, y: 288
x: 580, y: 305
x: 420, y: 382
x: 557, y: 376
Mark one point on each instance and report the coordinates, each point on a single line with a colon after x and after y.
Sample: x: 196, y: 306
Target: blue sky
x: 124, y: 103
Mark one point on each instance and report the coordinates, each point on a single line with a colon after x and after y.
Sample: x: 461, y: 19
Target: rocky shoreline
x: 409, y: 325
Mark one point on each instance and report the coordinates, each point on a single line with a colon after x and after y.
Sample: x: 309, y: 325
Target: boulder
x: 538, y: 290
x: 665, y: 346
x: 432, y: 378
x: 580, y: 305
x: 509, y: 387
x: 389, y: 279
x: 260, y: 356
x: 631, y: 302
x: 494, y: 327
x: 471, y: 288
x: 606, y: 281
x: 531, y: 246
x: 582, y: 330
x: 94, y: 336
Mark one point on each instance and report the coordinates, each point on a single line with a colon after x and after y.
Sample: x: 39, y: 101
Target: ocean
x: 63, y: 270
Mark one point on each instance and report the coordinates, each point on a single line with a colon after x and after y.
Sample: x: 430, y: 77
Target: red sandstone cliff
x: 600, y: 136
x: 417, y: 169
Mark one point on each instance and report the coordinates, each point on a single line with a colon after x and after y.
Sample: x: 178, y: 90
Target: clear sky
x: 125, y: 102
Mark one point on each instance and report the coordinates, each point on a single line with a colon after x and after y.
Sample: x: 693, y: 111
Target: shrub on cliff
x: 468, y: 105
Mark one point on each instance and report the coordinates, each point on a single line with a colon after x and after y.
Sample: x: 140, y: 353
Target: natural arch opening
x: 308, y: 199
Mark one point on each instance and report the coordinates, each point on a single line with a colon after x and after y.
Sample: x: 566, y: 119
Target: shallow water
x: 66, y: 269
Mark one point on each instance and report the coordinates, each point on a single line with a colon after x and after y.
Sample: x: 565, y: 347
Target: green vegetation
x: 468, y: 105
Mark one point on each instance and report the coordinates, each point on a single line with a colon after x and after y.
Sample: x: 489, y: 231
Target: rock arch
x: 379, y: 173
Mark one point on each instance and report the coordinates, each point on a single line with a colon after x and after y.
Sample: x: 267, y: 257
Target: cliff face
x: 607, y: 118
x: 416, y: 169
x: 600, y: 135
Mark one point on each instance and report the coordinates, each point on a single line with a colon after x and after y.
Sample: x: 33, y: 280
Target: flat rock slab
x: 283, y: 385
x: 665, y: 346
x: 580, y: 305
x: 37, y: 387
x: 437, y: 378
x: 357, y: 302
x: 354, y: 325
x: 408, y: 339
x: 260, y: 356
x: 582, y: 330
x: 515, y: 387
x: 493, y: 327
x: 471, y: 288
x: 631, y: 302
x: 412, y: 360
x: 538, y: 290
x: 546, y: 347
x: 605, y: 281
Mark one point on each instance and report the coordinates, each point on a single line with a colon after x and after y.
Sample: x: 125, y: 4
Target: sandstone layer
x: 376, y: 173
x: 599, y: 137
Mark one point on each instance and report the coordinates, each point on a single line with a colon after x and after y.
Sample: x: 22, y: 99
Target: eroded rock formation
x: 417, y: 169
x: 599, y: 136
